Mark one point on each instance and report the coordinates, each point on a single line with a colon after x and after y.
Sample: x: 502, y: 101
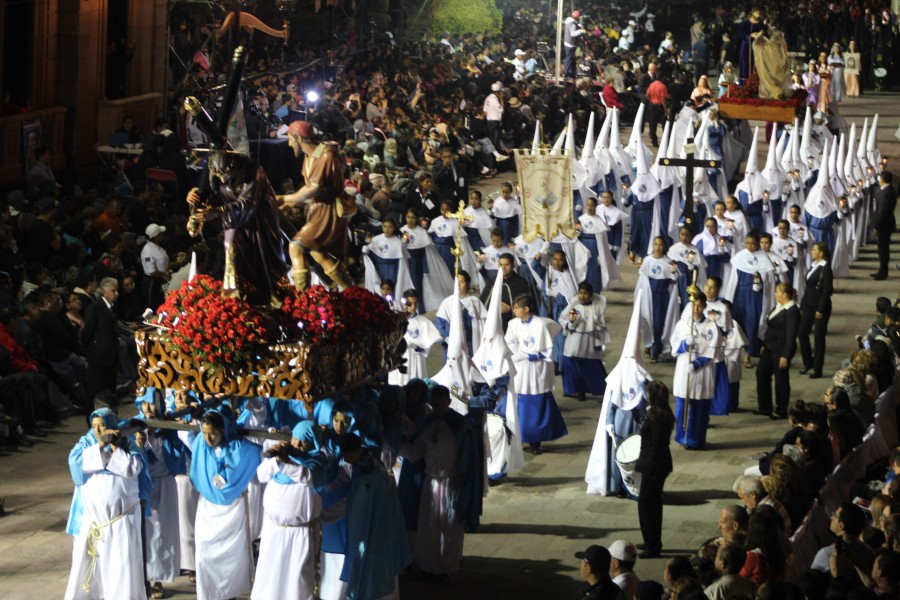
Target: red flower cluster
x: 748, y: 95
x: 318, y: 314
x: 215, y: 329
x: 313, y: 316
x: 366, y: 310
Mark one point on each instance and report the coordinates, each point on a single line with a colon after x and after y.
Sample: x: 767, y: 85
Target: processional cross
x: 690, y: 162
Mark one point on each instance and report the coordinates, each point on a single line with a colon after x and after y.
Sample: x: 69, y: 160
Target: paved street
x: 532, y: 523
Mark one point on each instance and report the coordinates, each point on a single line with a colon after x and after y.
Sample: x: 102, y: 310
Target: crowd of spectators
x: 401, y: 111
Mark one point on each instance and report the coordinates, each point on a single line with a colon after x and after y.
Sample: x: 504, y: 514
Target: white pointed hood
x: 636, y: 130
x: 558, y: 144
x: 773, y: 173
x: 536, y: 142
x: 836, y: 168
x: 569, y: 144
x: 193, y: 270
x: 821, y: 201
x: 621, y: 162
x: 601, y: 147
x: 852, y: 172
x: 754, y: 183
x: 806, y: 150
x: 872, y: 151
x: 663, y: 174
x: 459, y: 371
x: 493, y: 358
x: 672, y: 152
x: 645, y: 186
x: 588, y: 150
x: 630, y: 373
x: 861, y: 154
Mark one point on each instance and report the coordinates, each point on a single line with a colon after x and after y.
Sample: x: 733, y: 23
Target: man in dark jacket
x: 101, y: 340
x: 595, y: 562
x: 883, y: 222
x: 450, y: 178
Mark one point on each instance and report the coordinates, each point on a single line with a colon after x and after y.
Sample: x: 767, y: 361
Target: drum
x: 626, y: 457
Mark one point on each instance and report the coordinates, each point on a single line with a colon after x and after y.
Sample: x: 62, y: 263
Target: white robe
x: 188, y: 497
x: 437, y: 282
x: 224, y: 565
x: 162, y: 535
x: 656, y: 268
x: 439, y: 536
x: 287, y: 549
x: 387, y: 248
x: 476, y: 310
x: 420, y: 336
x: 534, y: 337
x: 586, y: 336
x: 111, y: 503
x: 708, y: 342
x: 609, y: 268
x: 480, y: 219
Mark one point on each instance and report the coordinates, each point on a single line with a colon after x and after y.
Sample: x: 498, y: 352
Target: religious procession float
x: 316, y: 343
x: 254, y: 333
x: 759, y: 88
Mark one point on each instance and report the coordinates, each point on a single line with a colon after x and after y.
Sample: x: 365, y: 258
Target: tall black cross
x: 690, y: 162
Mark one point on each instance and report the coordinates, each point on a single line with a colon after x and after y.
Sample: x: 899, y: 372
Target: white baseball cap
x: 154, y: 230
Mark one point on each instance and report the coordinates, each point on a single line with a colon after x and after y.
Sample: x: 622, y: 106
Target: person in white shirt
x: 493, y: 114
x: 530, y: 339
x: 421, y: 335
x: 571, y: 32
x: 729, y: 561
x: 586, y: 337
x: 505, y: 210
x: 156, y: 267
x: 518, y: 63
x: 621, y: 567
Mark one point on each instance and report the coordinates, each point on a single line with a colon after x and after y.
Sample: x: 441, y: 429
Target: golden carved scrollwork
x: 289, y: 371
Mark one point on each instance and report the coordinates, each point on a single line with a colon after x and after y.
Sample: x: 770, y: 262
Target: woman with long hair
x: 765, y: 545
x: 654, y: 464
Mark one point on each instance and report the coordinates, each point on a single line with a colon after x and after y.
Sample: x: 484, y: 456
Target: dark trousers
x: 650, y: 510
x: 100, y: 378
x: 569, y: 62
x: 656, y: 117
x: 813, y: 358
x: 765, y: 371
x: 884, y: 251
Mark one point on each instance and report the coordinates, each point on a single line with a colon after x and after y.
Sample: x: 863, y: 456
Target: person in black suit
x: 883, y: 222
x: 450, y: 177
x: 514, y: 285
x: 423, y: 198
x: 778, y: 350
x: 815, y: 310
x: 101, y: 341
x: 654, y: 463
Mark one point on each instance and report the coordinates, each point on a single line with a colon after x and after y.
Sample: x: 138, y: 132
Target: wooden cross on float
x: 690, y: 162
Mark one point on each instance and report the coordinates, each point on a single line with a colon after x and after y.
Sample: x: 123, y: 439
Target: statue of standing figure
x: 324, y: 237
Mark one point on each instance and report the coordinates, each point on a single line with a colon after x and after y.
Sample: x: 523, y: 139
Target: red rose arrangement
x: 313, y: 315
x: 215, y: 329
x: 317, y: 314
x: 748, y: 95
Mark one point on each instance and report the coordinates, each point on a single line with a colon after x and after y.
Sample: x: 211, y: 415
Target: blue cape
x: 236, y: 465
x: 145, y: 484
